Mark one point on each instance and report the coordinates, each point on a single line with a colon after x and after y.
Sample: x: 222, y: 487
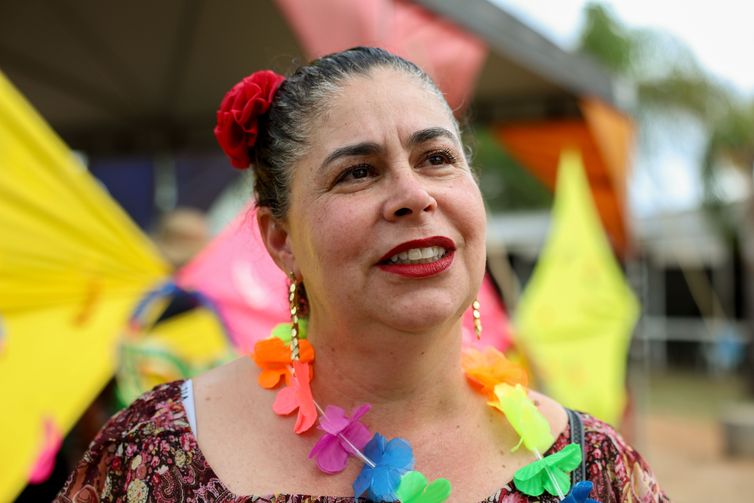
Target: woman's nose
x: 408, y: 197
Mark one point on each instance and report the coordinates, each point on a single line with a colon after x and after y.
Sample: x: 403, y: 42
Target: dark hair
x: 284, y: 130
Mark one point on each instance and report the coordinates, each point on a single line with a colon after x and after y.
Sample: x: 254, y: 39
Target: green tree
x: 506, y: 185
x: 667, y: 78
x: 663, y: 71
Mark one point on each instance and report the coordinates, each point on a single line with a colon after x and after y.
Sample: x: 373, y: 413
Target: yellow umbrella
x: 575, y: 318
x: 173, y: 334
x: 72, y: 266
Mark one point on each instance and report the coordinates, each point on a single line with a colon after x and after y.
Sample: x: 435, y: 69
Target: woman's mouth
x: 419, y: 258
x: 418, y: 255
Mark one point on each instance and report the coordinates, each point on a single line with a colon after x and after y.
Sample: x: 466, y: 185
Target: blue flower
x: 391, y: 460
x: 580, y: 493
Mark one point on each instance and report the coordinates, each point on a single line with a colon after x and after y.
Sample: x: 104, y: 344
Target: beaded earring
x: 477, y: 318
x: 293, y: 302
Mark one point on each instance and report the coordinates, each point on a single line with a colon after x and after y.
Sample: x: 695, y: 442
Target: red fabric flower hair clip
x: 238, y: 117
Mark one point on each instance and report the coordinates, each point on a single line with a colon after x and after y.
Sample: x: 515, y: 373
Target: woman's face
x: 386, y: 223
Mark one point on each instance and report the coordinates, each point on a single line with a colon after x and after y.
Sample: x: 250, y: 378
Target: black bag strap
x: 577, y: 436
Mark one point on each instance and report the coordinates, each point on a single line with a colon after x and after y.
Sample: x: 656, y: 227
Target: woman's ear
x: 276, y: 239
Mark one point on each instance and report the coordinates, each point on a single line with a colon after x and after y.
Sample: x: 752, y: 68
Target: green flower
x: 283, y: 331
x: 541, y: 475
x: 414, y: 489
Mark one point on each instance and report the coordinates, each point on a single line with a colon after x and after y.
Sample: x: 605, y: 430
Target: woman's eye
x: 358, y: 172
x: 440, y: 158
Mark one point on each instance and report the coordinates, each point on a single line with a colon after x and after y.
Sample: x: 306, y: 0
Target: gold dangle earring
x: 293, y: 302
x: 477, y: 318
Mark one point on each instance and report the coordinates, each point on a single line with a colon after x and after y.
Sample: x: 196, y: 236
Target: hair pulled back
x: 285, y: 129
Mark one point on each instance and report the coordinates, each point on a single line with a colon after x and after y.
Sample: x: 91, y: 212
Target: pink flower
x: 514, y: 498
x: 298, y: 395
x: 332, y: 449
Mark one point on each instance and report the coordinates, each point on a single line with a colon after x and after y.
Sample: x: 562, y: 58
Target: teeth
x: 418, y: 255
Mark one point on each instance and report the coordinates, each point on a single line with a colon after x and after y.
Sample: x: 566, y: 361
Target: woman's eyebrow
x: 371, y: 148
x: 358, y: 149
x: 424, y: 135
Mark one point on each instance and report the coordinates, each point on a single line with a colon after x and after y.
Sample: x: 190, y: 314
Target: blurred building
x: 140, y: 104
x: 688, y: 278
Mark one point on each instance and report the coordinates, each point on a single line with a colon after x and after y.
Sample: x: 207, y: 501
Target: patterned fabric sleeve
x: 619, y: 473
x: 143, y: 453
x: 90, y: 480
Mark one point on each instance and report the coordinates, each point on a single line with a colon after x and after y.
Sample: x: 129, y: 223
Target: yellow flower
x: 108, y: 487
x: 180, y: 458
x: 524, y: 417
x: 137, y: 492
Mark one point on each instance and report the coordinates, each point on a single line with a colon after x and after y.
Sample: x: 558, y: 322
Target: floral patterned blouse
x: 148, y: 452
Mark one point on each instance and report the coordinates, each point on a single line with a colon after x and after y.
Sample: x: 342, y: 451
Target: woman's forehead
x: 382, y: 102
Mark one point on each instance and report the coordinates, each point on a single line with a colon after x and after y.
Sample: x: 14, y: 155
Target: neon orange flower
x: 273, y: 356
x: 486, y: 369
x: 298, y: 395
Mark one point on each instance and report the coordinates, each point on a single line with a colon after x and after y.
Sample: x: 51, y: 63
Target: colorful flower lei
x: 388, y: 473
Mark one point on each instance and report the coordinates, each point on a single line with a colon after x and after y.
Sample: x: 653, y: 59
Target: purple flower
x: 391, y: 460
x: 332, y: 449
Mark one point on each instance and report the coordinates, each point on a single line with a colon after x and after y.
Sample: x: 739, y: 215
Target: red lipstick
x: 420, y: 270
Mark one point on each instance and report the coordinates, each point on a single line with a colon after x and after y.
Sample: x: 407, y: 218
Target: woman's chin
x: 421, y: 317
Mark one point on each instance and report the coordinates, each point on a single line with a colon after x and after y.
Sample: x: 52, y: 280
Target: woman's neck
x: 409, y: 378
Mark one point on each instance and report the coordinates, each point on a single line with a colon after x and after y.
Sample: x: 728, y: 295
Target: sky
x: 719, y: 33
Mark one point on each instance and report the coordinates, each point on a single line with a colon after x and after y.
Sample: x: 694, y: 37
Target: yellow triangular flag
x: 577, y: 313
x: 72, y: 266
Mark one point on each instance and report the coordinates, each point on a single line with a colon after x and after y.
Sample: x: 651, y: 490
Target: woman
x: 365, y: 197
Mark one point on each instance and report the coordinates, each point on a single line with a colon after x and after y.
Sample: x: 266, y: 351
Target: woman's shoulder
x: 601, y: 437
x: 143, y: 446
x: 599, y: 431
x: 157, y: 411
x: 616, y: 468
x: 552, y: 410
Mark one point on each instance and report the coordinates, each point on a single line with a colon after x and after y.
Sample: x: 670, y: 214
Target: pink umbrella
x: 495, y: 328
x: 237, y: 274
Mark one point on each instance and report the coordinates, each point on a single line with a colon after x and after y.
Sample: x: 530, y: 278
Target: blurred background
x: 125, y: 256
